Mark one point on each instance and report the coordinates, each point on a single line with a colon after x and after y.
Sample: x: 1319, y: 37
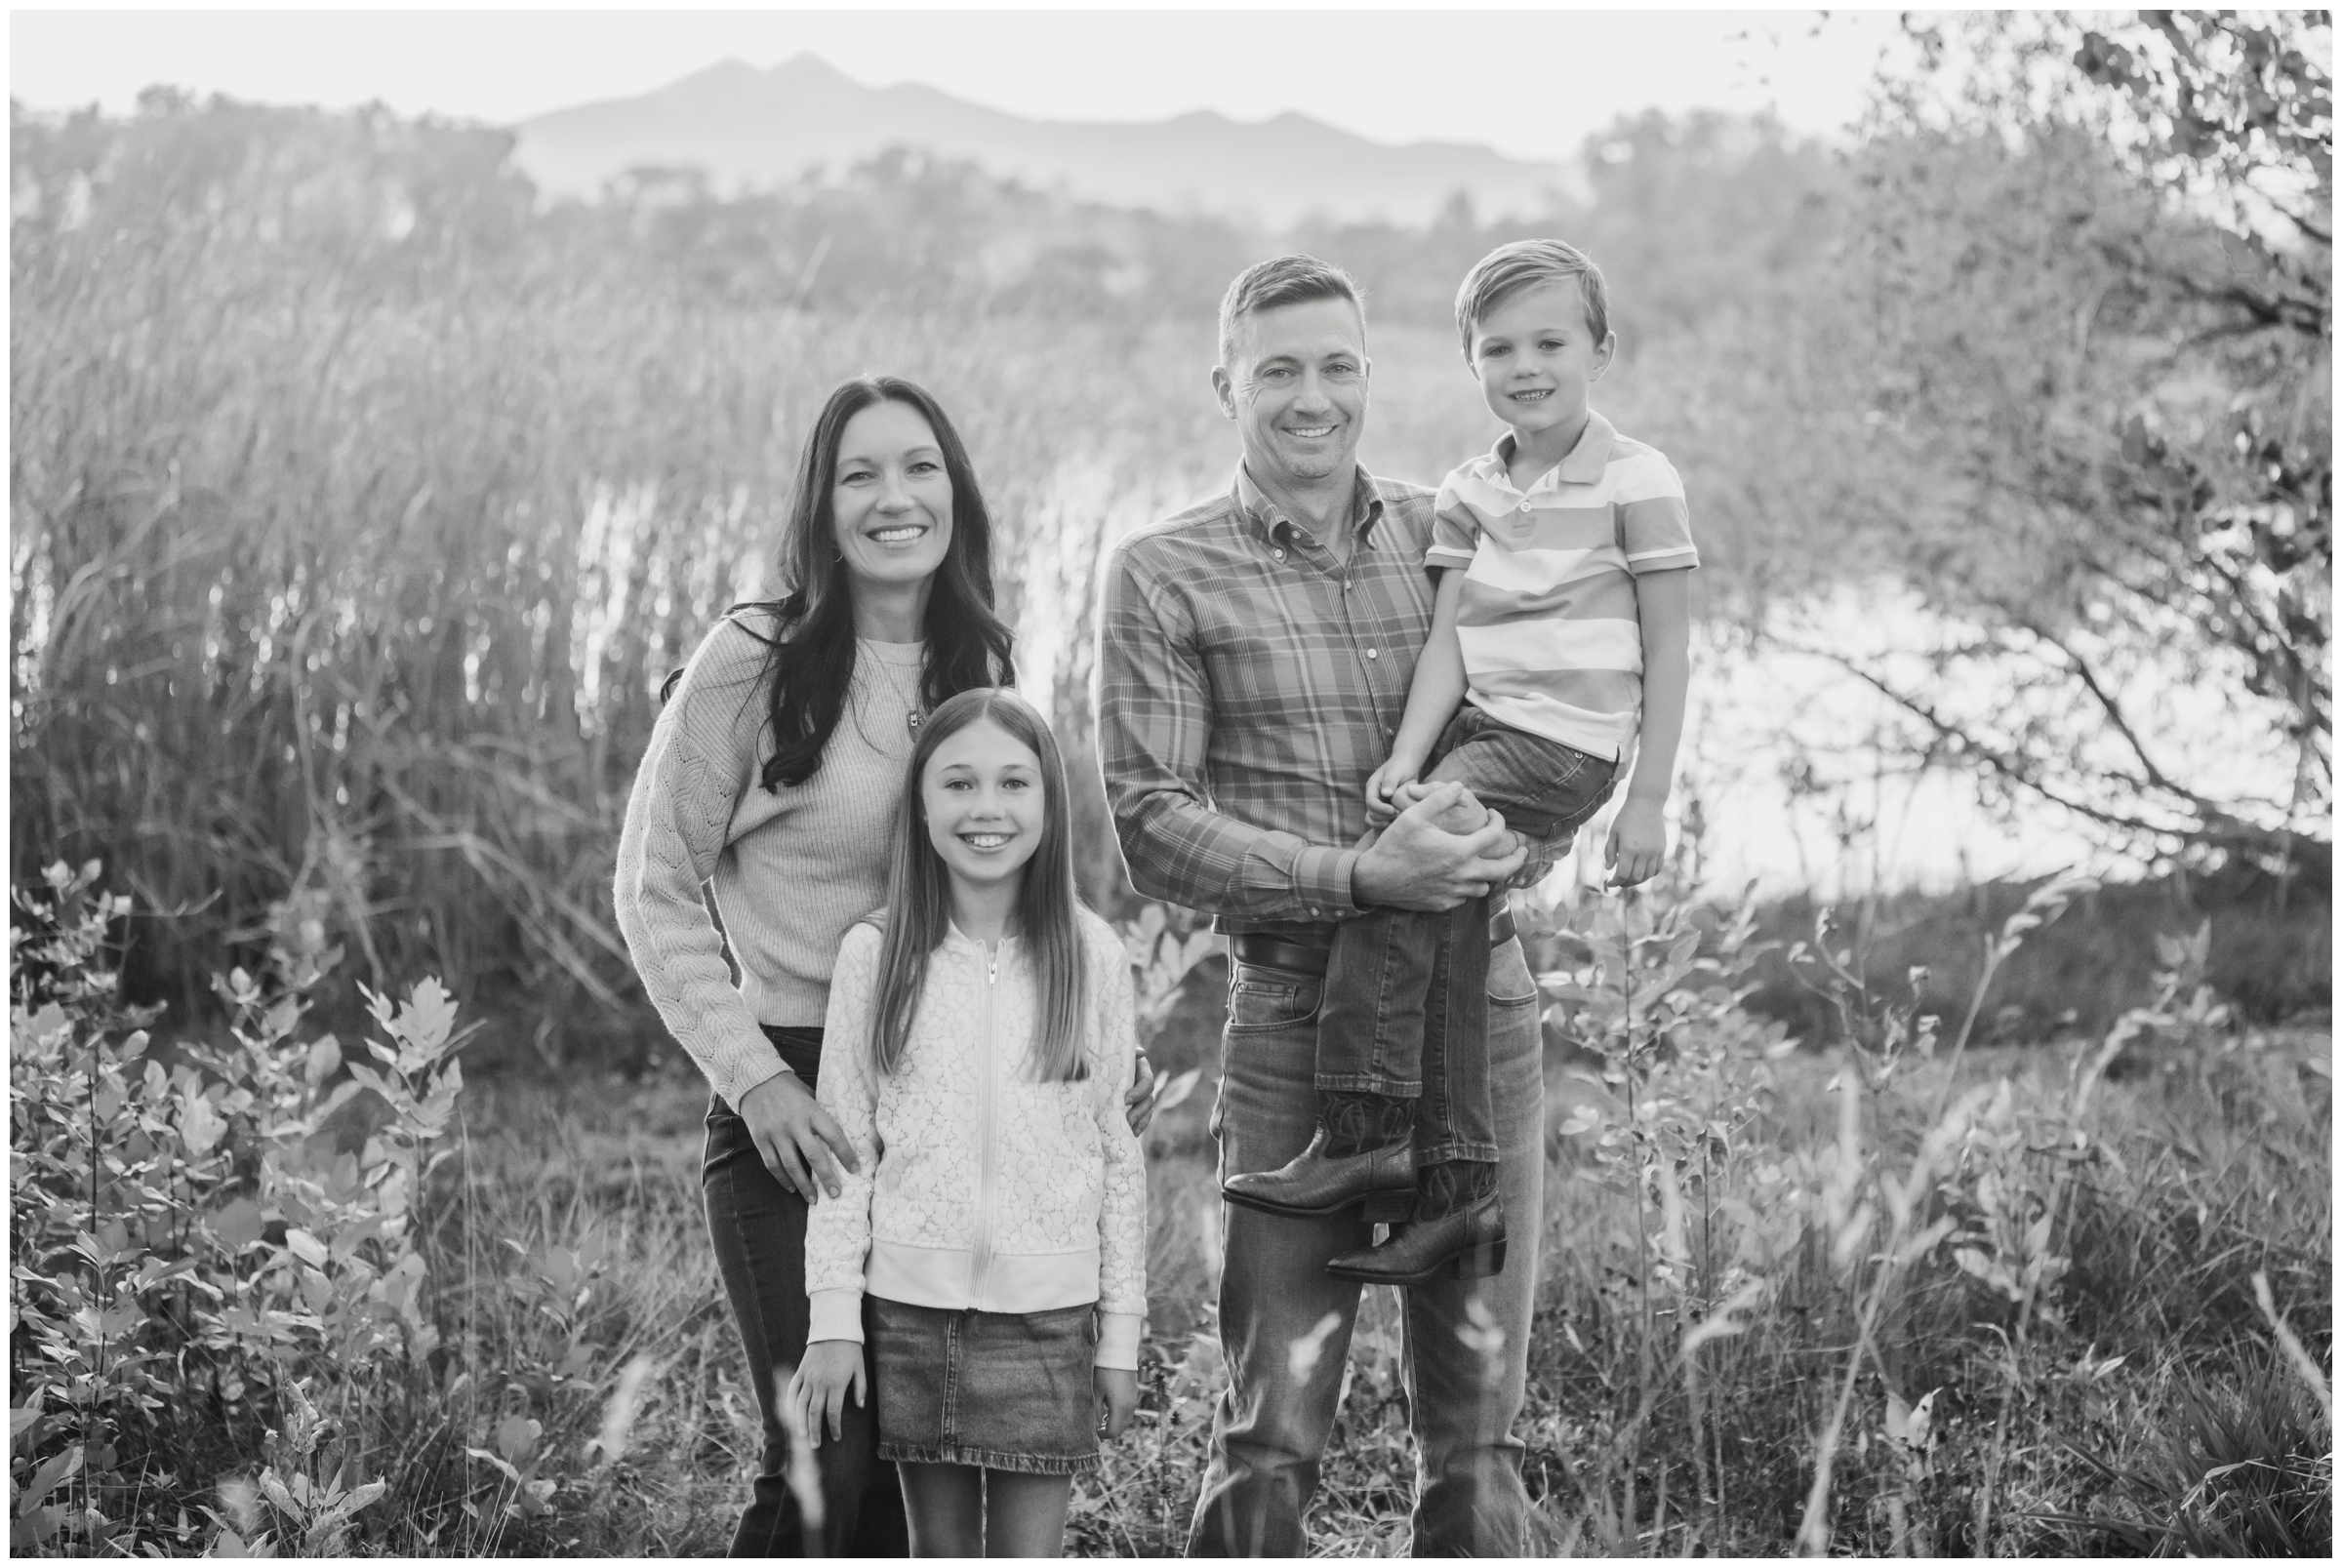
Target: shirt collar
x: 1583, y: 466
x: 1365, y: 507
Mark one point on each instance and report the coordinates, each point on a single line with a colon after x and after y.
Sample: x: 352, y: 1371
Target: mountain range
x: 748, y: 128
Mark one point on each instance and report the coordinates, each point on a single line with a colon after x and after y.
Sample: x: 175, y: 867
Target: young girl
x: 980, y: 1038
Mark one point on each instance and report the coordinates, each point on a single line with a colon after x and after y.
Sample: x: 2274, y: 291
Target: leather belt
x: 1309, y: 958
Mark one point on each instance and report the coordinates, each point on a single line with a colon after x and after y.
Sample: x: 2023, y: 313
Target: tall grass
x: 358, y: 509
x: 1883, y: 1296
x: 362, y: 586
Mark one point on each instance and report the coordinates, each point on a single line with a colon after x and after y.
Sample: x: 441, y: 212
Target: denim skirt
x: 1005, y: 1390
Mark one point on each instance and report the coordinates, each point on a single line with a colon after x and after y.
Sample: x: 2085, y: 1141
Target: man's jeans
x: 758, y: 1228
x: 1466, y: 1371
x: 1402, y: 1014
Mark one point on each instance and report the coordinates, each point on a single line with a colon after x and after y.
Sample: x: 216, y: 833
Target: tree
x: 2081, y: 333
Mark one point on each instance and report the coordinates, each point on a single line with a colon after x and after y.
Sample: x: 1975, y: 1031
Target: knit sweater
x: 793, y: 867
x: 979, y: 1186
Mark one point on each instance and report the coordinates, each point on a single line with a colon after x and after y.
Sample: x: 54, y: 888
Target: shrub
x: 194, y: 1253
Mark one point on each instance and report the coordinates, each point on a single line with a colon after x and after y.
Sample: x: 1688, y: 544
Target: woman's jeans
x: 1285, y: 1323
x: 1404, y: 1013
x: 759, y: 1227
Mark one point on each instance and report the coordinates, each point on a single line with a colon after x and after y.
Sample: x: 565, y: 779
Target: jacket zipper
x: 980, y: 1256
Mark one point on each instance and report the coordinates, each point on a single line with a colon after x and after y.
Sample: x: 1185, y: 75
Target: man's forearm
x: 1188, y: 854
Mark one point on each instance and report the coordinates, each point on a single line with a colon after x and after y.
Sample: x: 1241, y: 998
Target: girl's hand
x: 830, y: 1368
x: 1638, y: 843
x: 796, y: 1137
x: 1139, y: 1104
x: 1397, y: 771
x: 1117, y: 1400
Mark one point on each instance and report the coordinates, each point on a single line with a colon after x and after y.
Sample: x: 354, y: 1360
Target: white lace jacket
x: 980, y: 1187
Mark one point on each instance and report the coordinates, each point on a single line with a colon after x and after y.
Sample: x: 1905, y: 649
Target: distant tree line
x: 1700, y: 212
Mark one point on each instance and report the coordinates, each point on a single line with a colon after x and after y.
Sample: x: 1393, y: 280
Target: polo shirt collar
x: 1583, y: 466
x: 1365, y: 507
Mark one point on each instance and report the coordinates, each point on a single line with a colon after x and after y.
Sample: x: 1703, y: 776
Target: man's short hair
x: 1282, y: 280
x: 1525, y: 264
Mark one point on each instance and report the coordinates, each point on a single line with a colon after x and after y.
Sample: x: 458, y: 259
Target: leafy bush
x: 195, y: 1252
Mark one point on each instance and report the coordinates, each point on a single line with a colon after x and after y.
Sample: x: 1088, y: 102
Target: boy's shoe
x: 1466, y: 1237
x: 1316, y: 1182
x: 1362, y: 1153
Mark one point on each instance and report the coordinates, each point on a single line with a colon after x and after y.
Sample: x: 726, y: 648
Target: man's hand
x: 1637, y: 842
x: 796, y: 1137
x: 1138, y: 1105
x: 1416, y: 864
x: 831, y: 1368
x: 1117, y: 1400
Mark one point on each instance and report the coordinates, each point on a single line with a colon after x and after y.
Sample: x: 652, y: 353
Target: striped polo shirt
x: 1552, y: 643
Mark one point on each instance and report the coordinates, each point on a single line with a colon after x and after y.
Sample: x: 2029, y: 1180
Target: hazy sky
x: 1530, y: 82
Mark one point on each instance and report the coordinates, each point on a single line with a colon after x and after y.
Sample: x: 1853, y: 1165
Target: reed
x: 330, y: 581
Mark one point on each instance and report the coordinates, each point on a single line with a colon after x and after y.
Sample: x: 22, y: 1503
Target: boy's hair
x: 1282, y: 280
x: 1524, y: 264
x: 918, y: 904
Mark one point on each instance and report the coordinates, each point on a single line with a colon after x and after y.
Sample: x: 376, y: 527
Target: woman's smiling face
x: 891, y: 499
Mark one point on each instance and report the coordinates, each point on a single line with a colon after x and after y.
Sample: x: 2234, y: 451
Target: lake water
x: 1783, y: 750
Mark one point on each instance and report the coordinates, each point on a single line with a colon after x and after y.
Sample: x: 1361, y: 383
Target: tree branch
x: 2113, y: 709
x: 2213, y: 823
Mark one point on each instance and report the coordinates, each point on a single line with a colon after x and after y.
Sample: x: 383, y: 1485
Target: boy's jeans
x: 1285, y: 1323
x: 1405, y: 1002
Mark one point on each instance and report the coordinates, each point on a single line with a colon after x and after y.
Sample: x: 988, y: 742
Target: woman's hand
x: 796, y: 1137
x: 1117, y: 1400
x: 830, y: 1368
x: 1139, y: 1104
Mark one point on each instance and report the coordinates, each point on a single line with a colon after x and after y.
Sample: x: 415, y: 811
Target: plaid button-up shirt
x: 1248, y: 684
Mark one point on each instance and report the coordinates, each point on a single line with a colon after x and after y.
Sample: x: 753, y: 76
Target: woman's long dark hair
x: 919, y: 901
x: 810, y: 666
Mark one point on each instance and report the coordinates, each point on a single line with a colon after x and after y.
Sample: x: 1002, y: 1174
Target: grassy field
x: 2161, y: 1317
x: 1883, y: 1293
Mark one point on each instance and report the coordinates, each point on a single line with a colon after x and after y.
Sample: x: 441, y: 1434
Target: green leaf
x: 59, y: 1468
x: 200, y: 1127
x: 517, y: 1437
x: 237, y: 1226
x: 429, y: 1015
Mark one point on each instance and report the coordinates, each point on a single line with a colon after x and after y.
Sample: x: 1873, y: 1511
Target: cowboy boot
x: 1459, y: 1225
x: 1360, y: 1154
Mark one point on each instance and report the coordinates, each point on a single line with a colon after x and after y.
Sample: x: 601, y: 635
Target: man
x: 1255, y: 655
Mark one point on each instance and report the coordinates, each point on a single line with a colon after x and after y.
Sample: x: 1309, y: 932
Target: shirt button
x: 1280, y: 554
x: 1313, y: 910
x: 1524, y: 506
x: 1374, y: 652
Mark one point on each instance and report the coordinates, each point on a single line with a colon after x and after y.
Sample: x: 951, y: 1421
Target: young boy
x: 1563, y: 615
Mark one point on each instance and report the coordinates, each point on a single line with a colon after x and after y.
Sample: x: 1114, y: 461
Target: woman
x: 773, y: 774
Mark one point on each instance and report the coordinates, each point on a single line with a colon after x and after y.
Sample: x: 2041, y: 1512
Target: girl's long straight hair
x: 810, y: 663
x: 919, y: 902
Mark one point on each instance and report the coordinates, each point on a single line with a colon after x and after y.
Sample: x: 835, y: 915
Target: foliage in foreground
x: 1862, y: 1298
x: 1872, y: 1298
